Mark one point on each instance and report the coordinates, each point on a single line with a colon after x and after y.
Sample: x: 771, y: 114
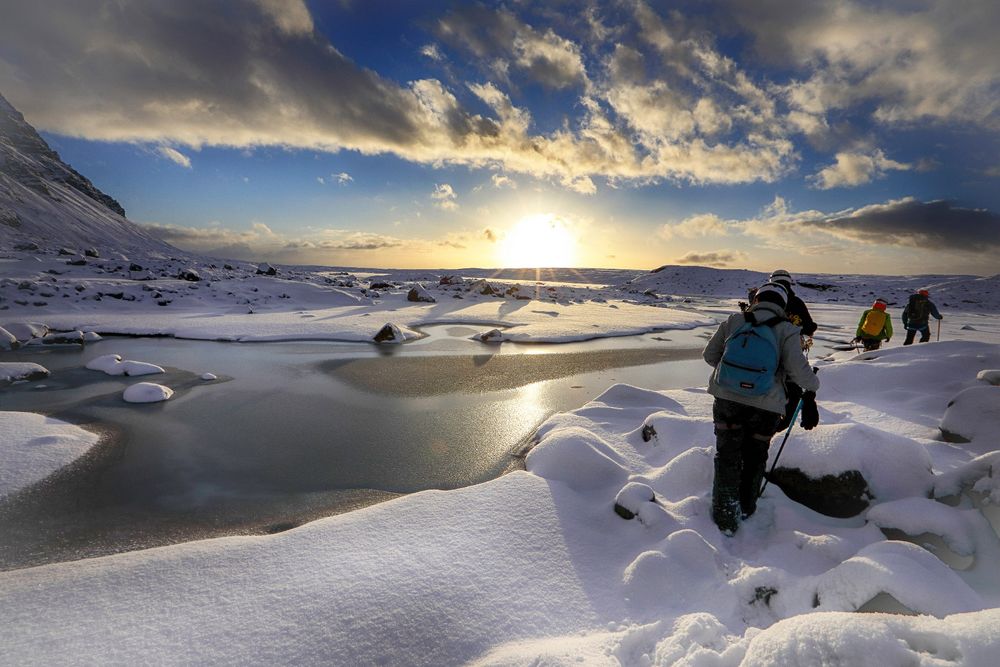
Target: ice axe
x: 791, y: 425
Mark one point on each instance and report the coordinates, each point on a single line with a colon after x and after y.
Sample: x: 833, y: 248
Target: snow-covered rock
x: 389, y: 333
x: 989, y: 376
x: 7, y: 340
x: 113, y: 364
x: 491, y: 336
x: 147, y: 392
x: 64, y: 338
x: 419, y: 293
x: 973, y: 415
x: 17, y: 371
x: 208, y: 377
x: 26, y: 331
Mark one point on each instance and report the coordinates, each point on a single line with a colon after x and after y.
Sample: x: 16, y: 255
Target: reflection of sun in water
x: 541, y: 240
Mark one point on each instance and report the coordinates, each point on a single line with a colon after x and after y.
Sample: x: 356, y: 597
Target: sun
x: 537, y: 241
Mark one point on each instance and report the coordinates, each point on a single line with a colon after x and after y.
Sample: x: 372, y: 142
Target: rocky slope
x: 45, y: 202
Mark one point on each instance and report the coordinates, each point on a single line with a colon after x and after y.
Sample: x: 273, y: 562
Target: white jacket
x: 792, y: 364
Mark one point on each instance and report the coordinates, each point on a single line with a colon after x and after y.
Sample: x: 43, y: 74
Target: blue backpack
x: 750, y: 359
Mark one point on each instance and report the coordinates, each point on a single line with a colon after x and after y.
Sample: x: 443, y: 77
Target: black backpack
x: 918, y: 309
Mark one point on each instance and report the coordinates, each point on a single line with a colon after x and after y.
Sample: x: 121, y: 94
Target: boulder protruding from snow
x: 973, y: 413
x: 989, y: 376
x: 190, y: 275
x: 419, y: 293
x: 842, y: 496
x: 64, y: 338
x: 265, y: 269
x: 113, y: 364
x: 389, y: 333
x: 27, y: 331
x: 491, y: 336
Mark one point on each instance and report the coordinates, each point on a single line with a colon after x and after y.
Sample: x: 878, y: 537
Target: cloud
x: 501, y: 38
x: 852, y: 169
x: 343, y: 178
x: 931, y: 226
x: 491, y: 235
x: 703, y: 224
x: 432, y: 51
x: 175, y: 156
x: 716, y: 258
x: 444, y: 197
x: 901, y: 62
x: 501, y: 181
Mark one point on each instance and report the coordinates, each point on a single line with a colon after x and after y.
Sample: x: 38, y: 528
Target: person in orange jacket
x: 874, y: 326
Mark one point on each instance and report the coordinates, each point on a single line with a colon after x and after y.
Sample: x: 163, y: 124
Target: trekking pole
x: 939, y: 331
x: 778, y: 455
x: 791, y: 425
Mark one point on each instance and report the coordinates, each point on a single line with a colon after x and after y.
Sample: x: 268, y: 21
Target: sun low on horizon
x: 540, y: 240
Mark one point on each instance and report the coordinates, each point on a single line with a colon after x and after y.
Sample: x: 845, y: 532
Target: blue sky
x: 830, y: 136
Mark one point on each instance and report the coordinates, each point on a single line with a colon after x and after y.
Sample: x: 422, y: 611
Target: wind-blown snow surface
x: 536, y: 567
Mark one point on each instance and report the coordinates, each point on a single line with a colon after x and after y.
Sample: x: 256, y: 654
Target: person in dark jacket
x: 744, y: 424
x: 917, y: 314
x: 798, y: 314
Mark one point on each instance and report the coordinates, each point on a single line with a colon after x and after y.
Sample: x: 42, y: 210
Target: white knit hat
x: 776, y: 288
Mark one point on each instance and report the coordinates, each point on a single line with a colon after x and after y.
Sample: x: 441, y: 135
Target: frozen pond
x: 294, y: 431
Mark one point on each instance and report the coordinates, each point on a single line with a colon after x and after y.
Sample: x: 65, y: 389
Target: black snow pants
x: 742, y: 437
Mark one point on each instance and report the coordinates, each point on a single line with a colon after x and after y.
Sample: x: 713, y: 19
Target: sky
x: 835, y: 136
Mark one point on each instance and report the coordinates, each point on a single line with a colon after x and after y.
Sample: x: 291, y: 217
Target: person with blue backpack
x: 754, y: 354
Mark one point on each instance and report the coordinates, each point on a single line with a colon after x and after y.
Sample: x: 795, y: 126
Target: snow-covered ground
x: 537, y: 567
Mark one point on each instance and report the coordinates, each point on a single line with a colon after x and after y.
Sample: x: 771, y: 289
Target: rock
x: 26, y: 331
x: 77, y: 261
x: 11, y: 372
x: 842, y: 496
x: 989, y: 376
x: 648, y: 432
x: 973, y: 414
x: 7, y: 340
x: 67, y: 251
x: 91, y: 252
x: 209, y: 377
x: 380, y: 285
x: 418, y: 293
x: 64, y: 338
x: 147, y: 392
x: 450, y: 280
x: 265, y: 269
x: 227, y: 267
x: 629, y: 501
x: 189, y: 275
x: 134, y: 267
x: 30, y: 246
x: 389, y: 333
x: 491, y: 336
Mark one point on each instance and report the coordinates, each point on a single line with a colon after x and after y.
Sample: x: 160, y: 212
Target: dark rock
x: 189, y: 274
x: 389, y: 333
x: 66, y: 251
x: 91, y: 252
x: 78, y: 261
x: 418, y: 293
x: 842, y: 496
x: 380, y: 285
x: 134, y: 267
x: 266, y: 269
x: 624, y: 513
x: 648, y: 432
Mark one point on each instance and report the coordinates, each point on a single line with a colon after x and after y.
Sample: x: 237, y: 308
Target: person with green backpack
x: 874, y: 326
x: 754, y: 354
x: 917, y: 314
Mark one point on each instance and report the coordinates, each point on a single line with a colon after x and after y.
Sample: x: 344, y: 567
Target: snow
x: 538, y: 566
x: 113, y: 364
x: 973, y: 415
x: 147, y: 392
x: 541, y: 565
x: 34, y: 446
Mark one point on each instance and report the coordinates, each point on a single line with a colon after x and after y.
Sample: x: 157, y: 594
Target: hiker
x: 916, y: 316
x: 797, y: 314
x: 754, y: 354
x: 874, y: 326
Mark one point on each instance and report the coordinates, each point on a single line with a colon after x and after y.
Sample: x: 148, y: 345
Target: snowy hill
x: 960, y: 292
x: 44, y: 201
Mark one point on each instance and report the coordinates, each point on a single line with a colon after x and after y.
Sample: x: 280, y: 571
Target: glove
x: 810, y: 413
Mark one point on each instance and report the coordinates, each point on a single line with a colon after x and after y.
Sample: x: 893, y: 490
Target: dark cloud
x: 719, y: 258
x: 931, y: 225
x: 490, y: 235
